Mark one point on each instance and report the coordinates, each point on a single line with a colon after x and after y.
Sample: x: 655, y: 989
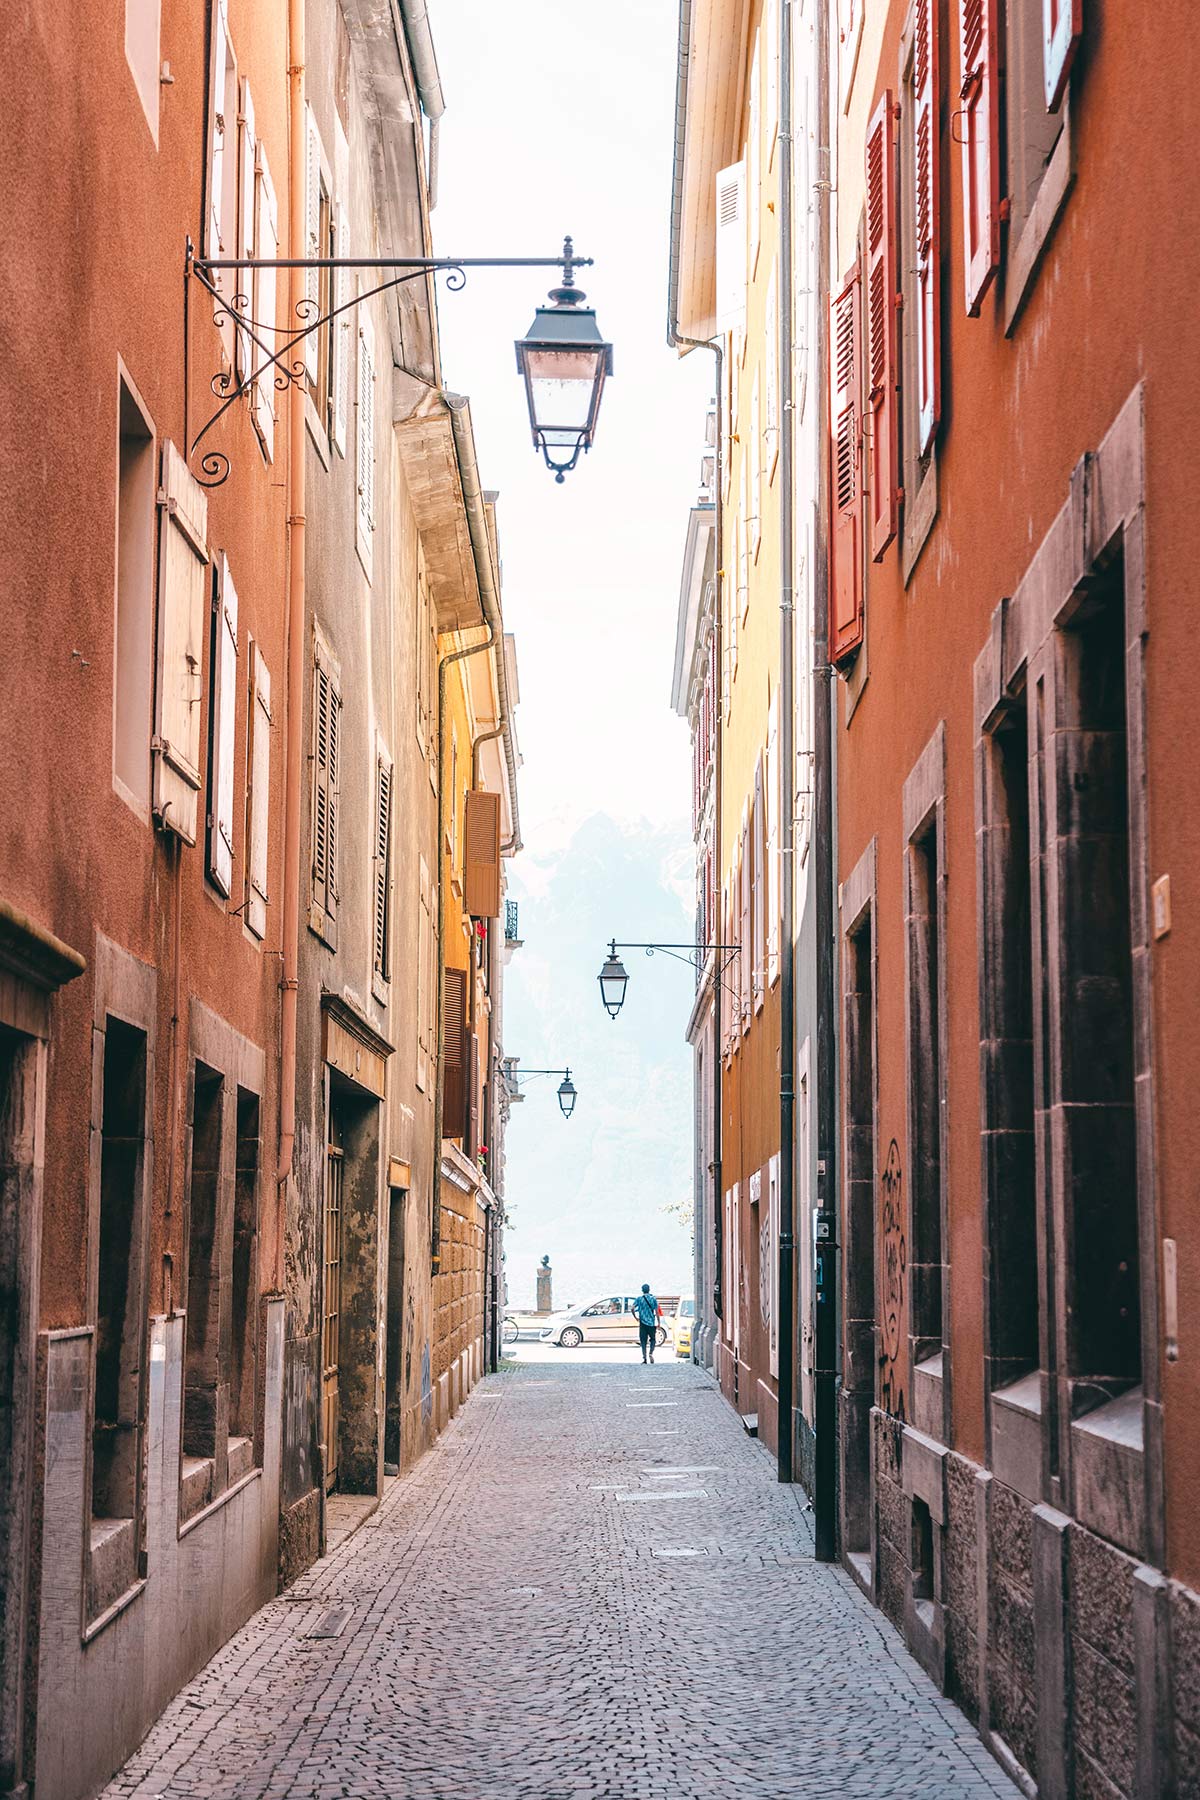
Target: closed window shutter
x: 266, y: 236
x: 471, y: 1140
x: 731, y: 254
x: 746, y: 933
x: 756, y: 462
x: 481, y: 838
x: 179, y: 671
x: 312, y: 233
x: 424, y: 977
x: 759, y: 897
x: 882, y: 367
x: 1062, y: 22
x: 743, y: 605
x: 773, y: 843
x: 979, y: 129
x: 383, y: 855
x: 222, y: 721
x: 454, y: 1061
x: 258, y: 811
x: 327, y: 706
x: 244, y: 278
x: 220, y: 136
x: 927, y: 166
x: 341, y: 333
x: 366, y: 440
x: 754, y: 150
x: 845, y: 574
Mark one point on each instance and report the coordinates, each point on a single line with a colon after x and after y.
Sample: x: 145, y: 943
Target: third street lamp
x: 513, y: 1077
x: 614, y: 980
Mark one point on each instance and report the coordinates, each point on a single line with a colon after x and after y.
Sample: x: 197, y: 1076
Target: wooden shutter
x: 179, y: 671
x: 1062, y: 22
x: 756, y: 463
x: 731, y: 256
x: 220, y: 137
x: 481, y: 873
x: 243, y: 284
x: 754, y: 157
x: 927, y: 167
x: 221, y: 727
x: 266, y: 237
x: 312, y: 234
x: 746, y: 922
x: 454, y: 1053
x: 471, y: 1139
x: 327, y: 705
x: 366, y: 439
x: 342, y: 325
x: 845, y: 572
x: 383, y: 863
x: 424, y: 976
x: 882, y: 368
x: 758, y: 896
x: 258, y: 805
x: 979, y: 130
x: 773, y: 842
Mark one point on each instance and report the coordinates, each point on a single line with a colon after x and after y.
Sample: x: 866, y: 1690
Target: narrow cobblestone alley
x: 593, y: 1585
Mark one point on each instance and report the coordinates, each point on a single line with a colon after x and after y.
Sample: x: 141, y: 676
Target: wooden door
x: 332, y: 1305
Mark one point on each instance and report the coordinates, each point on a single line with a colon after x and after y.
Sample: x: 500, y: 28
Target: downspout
x: 826, y: 1272
x: 679, y: 342
x: 429, y: 83
x: 785, y: 1327
x: 294, y: 752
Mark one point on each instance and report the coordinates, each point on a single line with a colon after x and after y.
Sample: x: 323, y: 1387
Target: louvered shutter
x: 259, y: 804
x: 979, y: 129
x: 342, y: 326
x: 366, y: 439
x: 773, y: 842
x: 927, y: 167
x: 266, y: 237
x: 454, y: 1054
x: 731, y: 257
x: 754, y: 156
x: 758, y: 896
x: 244, y: 278
x: 481, y: 858
x: 222, y: 722
x: 471, y: 1139
x: 1062, y: 22
x: 220, y: 137
x: 179, y: 671
x: 326, y: 732
x: 383, y: 866
x: 312, y: 234
x: 882, y: 366
x: 845, y: 572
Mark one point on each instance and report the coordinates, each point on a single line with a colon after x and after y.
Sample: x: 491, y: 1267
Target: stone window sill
x: 1017, y: 1436
x: 112, y: 1574
x: 1025, y: 255
x: 1107, y: 1454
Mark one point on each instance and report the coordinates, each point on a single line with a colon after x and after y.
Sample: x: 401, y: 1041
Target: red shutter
x: 845, y: 561
x: 1063, y: 27
x: 979, y: 131
x: 881, y: 322
x: 927, y: 160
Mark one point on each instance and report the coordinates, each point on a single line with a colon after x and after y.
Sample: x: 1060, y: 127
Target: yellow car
x: 681, y: 1327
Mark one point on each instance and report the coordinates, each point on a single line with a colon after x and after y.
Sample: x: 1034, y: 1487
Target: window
x: 341, y: 326
x: 119, y: 1275
x: 222, y: 170
x: 858, y: 1276
x: 258, y: 794
x: 202, y: 1359
x: 771, y: 351
x: 318, y: 283
x: 142, y: 25
x: 183, y: 592
x: 882, y: 363
x: 919, y: 274
x: 1040, y: 40
x: 222, y: 722
x: 846, y: 555
x: 758, y: 895
x: 382, y: 883
x: 926, y: 1088
x: 326, y: 767
x: 481, y: 847
x: 731, y: 260
x: 425, y: 983
x: 133, y: 653
x: 754, y: 158
x: 366, y: 442
x: 243, y: 1366
x: 771, y: 28
x: 774, y: 842
x: 426, y: 660
x: 746, y: 919
x: 979, y: 135
x: 756, y: 449
x: 264, y: 288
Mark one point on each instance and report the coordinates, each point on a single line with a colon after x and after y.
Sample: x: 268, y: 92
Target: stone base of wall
x: 1079, y: 1665
x: 299, y: 1537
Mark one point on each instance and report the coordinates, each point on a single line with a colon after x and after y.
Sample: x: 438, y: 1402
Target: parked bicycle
x: 509, y: 1331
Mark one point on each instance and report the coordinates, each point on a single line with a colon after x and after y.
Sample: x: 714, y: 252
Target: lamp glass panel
x: 561, y: 384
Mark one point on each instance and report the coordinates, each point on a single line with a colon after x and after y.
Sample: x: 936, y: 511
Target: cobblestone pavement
x: 592, y: 1586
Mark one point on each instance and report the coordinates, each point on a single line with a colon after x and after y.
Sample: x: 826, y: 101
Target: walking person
x: 646, y: 1308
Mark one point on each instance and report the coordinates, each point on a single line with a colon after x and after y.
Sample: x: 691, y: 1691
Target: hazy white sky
x: 559, y: 119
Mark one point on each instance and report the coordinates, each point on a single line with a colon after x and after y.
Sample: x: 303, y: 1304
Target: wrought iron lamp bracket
x: 694, y: 955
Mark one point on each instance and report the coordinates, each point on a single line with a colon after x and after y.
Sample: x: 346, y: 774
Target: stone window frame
x: 215, y: 1045
x: 1023, y: 95
x: 924, y: 811
x: 1113, y: 1486
x: 858, y: 910
x: 125, y: 988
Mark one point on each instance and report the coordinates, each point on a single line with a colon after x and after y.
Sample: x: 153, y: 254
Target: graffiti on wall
x: 892, y: 1277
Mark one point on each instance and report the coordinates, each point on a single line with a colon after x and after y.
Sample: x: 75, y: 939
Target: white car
x: 610, y: 1320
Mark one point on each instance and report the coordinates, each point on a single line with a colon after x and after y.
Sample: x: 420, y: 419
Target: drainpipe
x: 826, y: 1284
x: 785, y: 1327
x: 679, y: 342
x: 481, y: 549
x: 294, y: 752
x: 429, y: 82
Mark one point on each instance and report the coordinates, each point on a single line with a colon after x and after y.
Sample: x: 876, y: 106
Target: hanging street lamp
x: 614, y: 980
x: 513, y: 1077
x: 566, y: 1095
x: 565, y: 362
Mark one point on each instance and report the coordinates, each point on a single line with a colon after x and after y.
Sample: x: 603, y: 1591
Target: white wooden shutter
x: 746, y: 916
x: 755, y: 448
x: 342, y: 325
x: 266, y: 241
x: 1062, y: 22
x: 243, y: 285
x: 312, y: 236
x: 258, y: 761
x: 223, y: 708
x: 758, y: 896
x: 366, y: 440
x: 731, y: 254
x: 743, y: 605
x: 754, y: 150
x: 773, y: 843
x: 179, y: 671
x: 220, y: 136
x: 383, y: 851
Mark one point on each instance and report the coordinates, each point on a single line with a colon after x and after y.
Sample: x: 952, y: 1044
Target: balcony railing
x: 511, y: 933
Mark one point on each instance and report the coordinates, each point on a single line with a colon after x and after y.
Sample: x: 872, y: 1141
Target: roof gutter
x: 417, y: 31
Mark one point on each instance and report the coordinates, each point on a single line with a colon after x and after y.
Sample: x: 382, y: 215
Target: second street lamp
x: 614, y: 980
x: 513, y: 1077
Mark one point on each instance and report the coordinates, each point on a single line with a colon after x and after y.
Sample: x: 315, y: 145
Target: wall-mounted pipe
x: 419, y: 38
